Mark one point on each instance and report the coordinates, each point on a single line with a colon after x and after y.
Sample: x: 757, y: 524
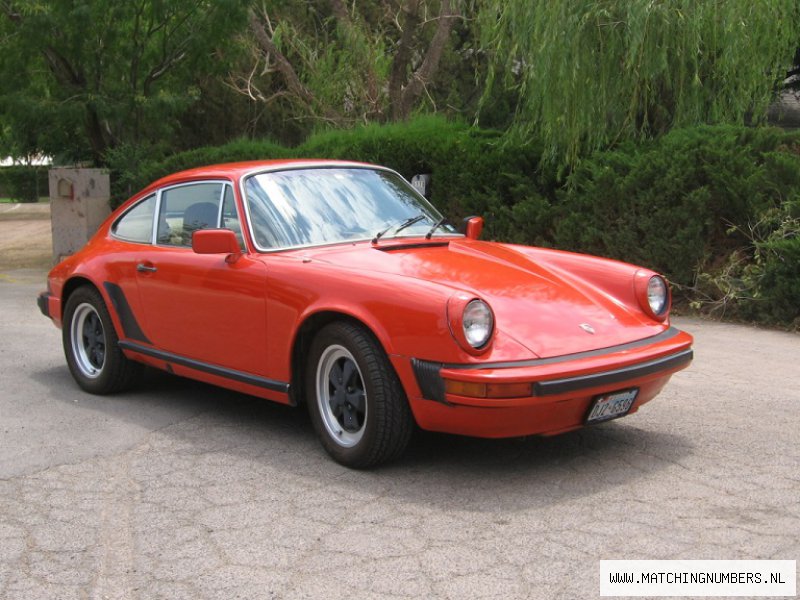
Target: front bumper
x: 561, y: 388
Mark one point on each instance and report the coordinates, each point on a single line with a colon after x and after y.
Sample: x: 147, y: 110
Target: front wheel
x: 356, y: 401
x: 90, y: 344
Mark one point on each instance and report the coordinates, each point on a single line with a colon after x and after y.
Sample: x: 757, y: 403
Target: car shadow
x: 160, y: 399
x: 511, y: 474
x: 450, y: 471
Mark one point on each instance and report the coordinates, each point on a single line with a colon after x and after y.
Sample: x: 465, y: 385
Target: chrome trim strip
x: 220, y: 205
x: 156, y: 216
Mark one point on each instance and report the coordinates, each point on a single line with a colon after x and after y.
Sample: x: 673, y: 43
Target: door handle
x: 146, y: 268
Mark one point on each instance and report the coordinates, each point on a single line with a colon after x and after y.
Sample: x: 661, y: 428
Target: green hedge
x: 23, y: 183
x: 709, y: 206
x: 699, y: 205
x: 676, y: 203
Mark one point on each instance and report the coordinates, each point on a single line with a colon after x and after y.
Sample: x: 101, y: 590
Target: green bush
x: 678, y: 203
x: 770, y: 281
x: 24, y: 183
x: 778, y: 288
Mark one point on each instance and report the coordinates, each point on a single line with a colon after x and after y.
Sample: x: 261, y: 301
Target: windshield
x: 307, y: 207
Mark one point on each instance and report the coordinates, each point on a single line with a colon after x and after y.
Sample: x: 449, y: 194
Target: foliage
x: 591, y: 73
x: 777, y: 275
x: 670, y: 204
x: 23, y: 183
x: 86, y: 80
x: 96, y: 80
x: 714, y: 208
x: 761, y: 281
x: 618, y: 94
x: 344, y: 63
x: 79, y: 77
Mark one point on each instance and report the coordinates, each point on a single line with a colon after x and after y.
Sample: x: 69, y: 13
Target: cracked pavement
x: 182, y: 490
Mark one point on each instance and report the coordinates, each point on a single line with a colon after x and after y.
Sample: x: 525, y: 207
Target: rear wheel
x: 356, y: 401
x: 91, y: 345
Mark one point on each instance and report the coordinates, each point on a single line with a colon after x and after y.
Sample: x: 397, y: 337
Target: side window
x: 187, y: 208
x: 136, y: 225
x: 230, y: 218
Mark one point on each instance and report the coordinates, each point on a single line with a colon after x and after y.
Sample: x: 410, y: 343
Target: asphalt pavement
x: 181, y: 490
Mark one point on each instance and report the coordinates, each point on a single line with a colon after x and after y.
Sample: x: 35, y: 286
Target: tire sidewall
x: 104, y: 381
x: 341, y: 334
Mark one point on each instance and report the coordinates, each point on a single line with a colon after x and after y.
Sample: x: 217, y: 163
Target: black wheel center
x: 93, y: 341
x: 347, y: 395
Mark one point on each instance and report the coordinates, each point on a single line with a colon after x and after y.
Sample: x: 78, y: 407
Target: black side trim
x: 42, y: 301
x: 130, y: 326
x: 571, y: 384
x: 430, y: 382
x: 267, y: 384
x: 537, y: 362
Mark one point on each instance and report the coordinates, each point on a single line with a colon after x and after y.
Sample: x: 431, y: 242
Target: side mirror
x: 216, y: 241
x: 472, y: 227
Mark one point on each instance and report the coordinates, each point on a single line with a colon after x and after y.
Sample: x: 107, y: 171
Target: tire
x: 91, y: 345
x: 356, y: 402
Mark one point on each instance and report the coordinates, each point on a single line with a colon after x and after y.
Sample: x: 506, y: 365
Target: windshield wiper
x: 398, y: 228
x: 436, y: 226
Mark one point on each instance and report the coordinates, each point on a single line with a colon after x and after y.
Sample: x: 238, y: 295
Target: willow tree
x: 593, y: 72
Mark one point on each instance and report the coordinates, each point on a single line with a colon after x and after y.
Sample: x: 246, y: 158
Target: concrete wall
x: 78, y: 206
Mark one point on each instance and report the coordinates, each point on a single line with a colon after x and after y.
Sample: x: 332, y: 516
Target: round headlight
x: 657, y: 294
x: 477, y: 322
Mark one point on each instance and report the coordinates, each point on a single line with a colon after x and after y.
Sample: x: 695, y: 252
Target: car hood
x: 549, y: 313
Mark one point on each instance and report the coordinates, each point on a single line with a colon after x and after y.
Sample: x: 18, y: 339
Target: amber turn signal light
x: 487, y: 390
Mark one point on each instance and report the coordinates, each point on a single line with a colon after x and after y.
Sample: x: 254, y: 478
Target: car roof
x: 236, y: 170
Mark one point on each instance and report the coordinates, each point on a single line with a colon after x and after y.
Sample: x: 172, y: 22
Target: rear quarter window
x: 136, y: 225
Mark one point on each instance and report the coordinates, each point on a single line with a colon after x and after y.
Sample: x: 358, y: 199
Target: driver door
x: 200, y: 306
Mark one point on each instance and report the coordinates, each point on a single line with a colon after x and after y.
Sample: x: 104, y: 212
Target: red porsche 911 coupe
x: 338, y: 285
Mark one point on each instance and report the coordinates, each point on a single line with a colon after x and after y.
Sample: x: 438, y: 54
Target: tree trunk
x: 285, y: 68
x: 430, y: 64
x: 402, y: 58
x: 94, y: 132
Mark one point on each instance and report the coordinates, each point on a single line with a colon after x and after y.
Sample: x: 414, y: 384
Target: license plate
x: 611, y: 406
